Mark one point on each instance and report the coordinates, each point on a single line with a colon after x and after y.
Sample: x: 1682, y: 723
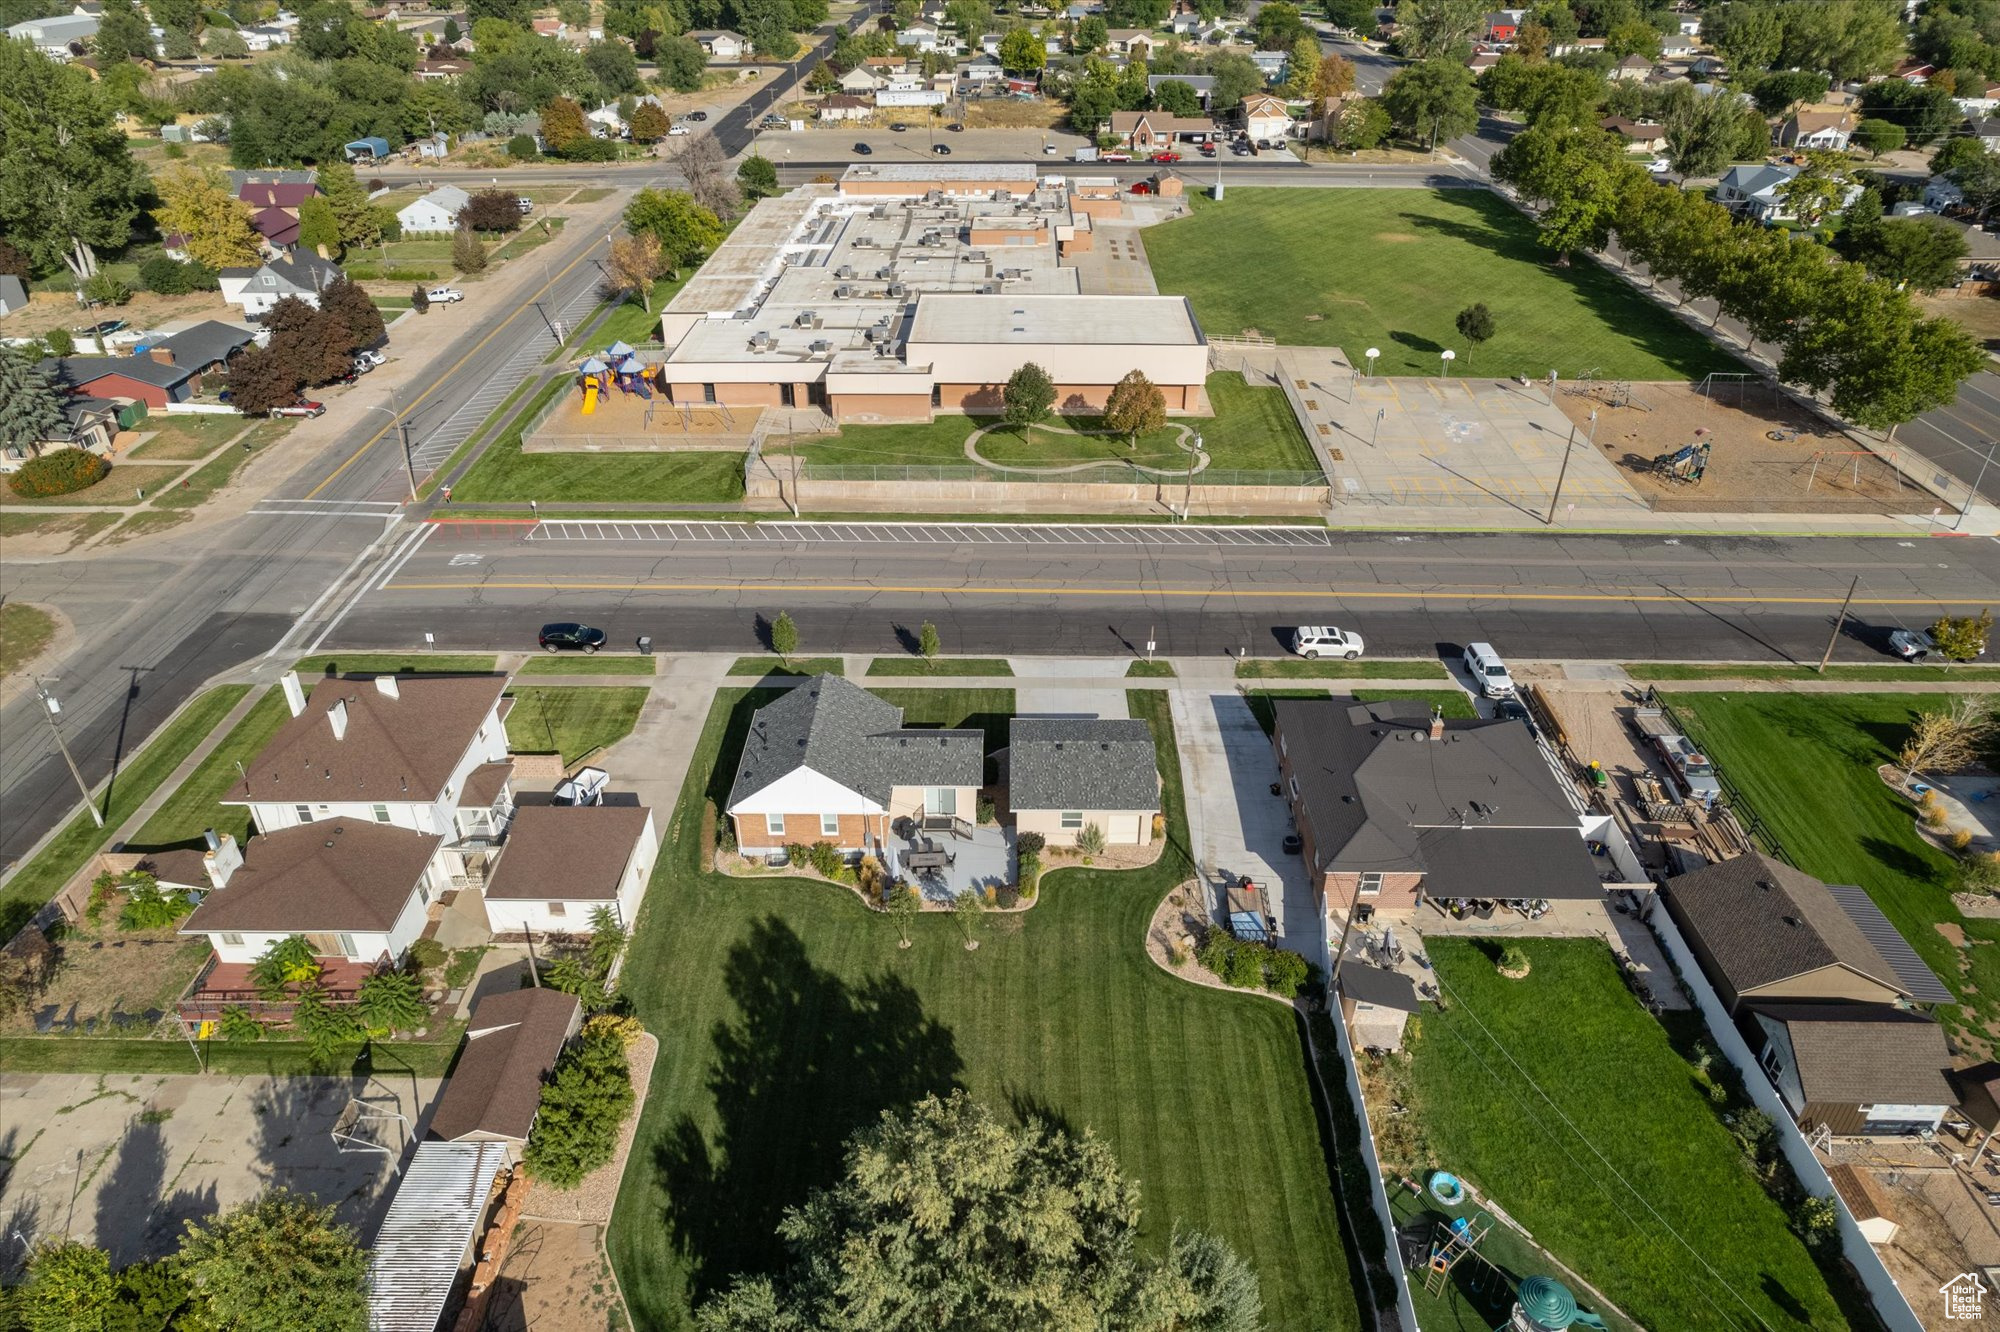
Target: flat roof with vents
x: 1128, y: 320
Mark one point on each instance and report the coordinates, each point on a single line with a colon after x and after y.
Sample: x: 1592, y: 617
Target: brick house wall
x: 858, y: 832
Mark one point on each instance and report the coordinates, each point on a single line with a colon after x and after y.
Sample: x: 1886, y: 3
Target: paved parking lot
x: 123, y: 1160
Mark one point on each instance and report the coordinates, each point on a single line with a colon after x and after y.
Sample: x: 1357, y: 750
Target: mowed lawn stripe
x: 1391, y: 269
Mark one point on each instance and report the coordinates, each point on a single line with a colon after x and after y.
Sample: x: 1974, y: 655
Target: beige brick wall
x: 857, y: 831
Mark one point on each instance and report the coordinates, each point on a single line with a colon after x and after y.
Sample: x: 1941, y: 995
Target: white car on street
x: 1659, y: 166
x: 444, y: 295
x: 1321, y: 640
x: 1488, y: 672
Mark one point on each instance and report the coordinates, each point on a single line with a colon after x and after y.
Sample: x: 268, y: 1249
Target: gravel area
x: 1175, y: 919
x: 591, y: 1201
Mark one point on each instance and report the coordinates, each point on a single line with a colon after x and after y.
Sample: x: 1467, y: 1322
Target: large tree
x: 1029, y: 395
x: 1021, y: 51
x: 1177, y: 98
x: 1432, y: 101
x: 68, y: 186
x: 1818, y: 189
x: 563, y: 124
x: 277, y: 1264
x: 69, y: 1288
x: 1578, y: 177
x: 635, y: 265
x: 1135, y: 407
x: 30, y: 409
x: 1438, y: 29
x: 1917, y: 252
x: 1771, y: 281
x: 687, y: 232
x: 946, y: 1217
x: 1701, y: 133
x: 1882, y: 362
x: 214, y: 225
x: 353, y: 212
x: 1278, y: 25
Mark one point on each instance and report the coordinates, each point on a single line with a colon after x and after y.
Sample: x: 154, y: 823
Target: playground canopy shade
x: 593, y: 366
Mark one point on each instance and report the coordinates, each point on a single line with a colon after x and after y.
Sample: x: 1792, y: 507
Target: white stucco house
x: 562, y: 864
x: 297, y: 273
x: 437, y: 212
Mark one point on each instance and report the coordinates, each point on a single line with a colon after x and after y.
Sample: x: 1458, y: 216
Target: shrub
x: 795, y: 855
x: 590, y: 150
x: 1961, y: 839
x: 826, y: 859
x: 1816, y: 1222
x: 985, y: 812
x: 1090, y: 840
x: 1285, y: 972
x: 1234, y: 961
x: 1030, y: 873
x: 61, y: 472
x: 174, y: 152
x: 390, y: 1001
x: 102, y: 889
x: 170, y: 277
x: 426, y: 954
x: 59, y: 342
x: 870, y: 878
x: 586, y: 1099
x: 237, y: 1024
x: 105, y: 289
x: 149, y: 907
x: 1933, y: 816
x: 622, y: 1027
x: 725, y: 836
x: 522, y: 148
x: 370, y: 273
x: 1513, y: 958
x: 1030, y: 844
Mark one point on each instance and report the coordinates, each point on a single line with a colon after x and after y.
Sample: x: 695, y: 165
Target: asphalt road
x: 863, y: 589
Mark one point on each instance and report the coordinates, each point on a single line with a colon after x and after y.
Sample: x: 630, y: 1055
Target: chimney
x: 338, y: 719
x: 386, y: 684
x: 222, y: 859
x: 295, y: 693
x: 160, y: 355
x: 1437, y: 723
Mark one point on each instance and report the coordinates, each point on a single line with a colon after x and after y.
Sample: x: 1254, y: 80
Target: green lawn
x: 1150, y: 670
x: 571, y: 664
x: 392, y: 663
x: 504, y: 474
x: 197, y: 806
x: 204, y: 482
x: 1253, y: 429
x: 1392, y: 268
x: 946, y: 666
x: 138, y: 777
x: 629, y: 320
x: 1522, y: 1086
x: 24, y: 632
x: 1452, y: 702
x: 1375, y: 668
x: 796, y: 1019
x: 572, y: 721
x: 186, y: 438
x: 1886, y: 672
x: 1805, y: 765
x: 796, y: 666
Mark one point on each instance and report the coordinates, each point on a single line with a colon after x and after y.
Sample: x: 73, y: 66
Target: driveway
x: 122, y: 1160
x: 1236, y: 826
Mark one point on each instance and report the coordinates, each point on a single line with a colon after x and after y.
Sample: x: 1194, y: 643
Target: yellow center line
x: 445, y: 378
x: 1150, y: 590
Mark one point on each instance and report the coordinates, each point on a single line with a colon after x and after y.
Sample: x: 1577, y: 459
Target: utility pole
x: 51, y: 710
x: 1984, y: 463
x: 409, y: 467
x: 1838, y: 621
x: 1563, y: 473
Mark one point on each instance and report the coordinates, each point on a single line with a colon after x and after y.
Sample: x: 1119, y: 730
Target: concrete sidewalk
x: 653, y: 760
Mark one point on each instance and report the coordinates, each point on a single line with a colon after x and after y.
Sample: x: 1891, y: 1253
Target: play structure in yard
x: 1453, y: 1242
x: 1689, y: 463
x: 617, y: 367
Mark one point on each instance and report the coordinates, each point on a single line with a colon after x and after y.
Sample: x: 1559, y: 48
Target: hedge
x: 61, y: 472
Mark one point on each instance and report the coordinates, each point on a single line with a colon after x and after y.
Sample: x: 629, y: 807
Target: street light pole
x: 51, y: 710
x: 1984, y: 463
x: 1838, y: 621
x: 1380, y: 412
x: 1563, y: 474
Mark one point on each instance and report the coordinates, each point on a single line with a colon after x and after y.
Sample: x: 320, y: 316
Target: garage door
x: 1124, y: 829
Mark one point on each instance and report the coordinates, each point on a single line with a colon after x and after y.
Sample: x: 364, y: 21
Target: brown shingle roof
x: 1858, y: 1189
x: 337, y: 874
x: 484, y: 784
x: 401, y: 748
x: 1763, y: 922
x: 1865, y: 1054
x: 567, y: 854
x: 511, y: 1045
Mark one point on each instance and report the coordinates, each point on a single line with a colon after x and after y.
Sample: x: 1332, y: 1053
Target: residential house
x: 170, y: 370
x: 63, y: 37
x: 1481, y: 61
x: 1677, y: 46
x: 511, y: 1046
x: 1188, y: 24
x: 1817, y: 128
x: 551, y: 27
x: 884, y: 66
x: 13, y: 294
x: 1632, y: 67
x: 1940, y: 193
x: 434, y: 214
x: 1986, y: 129
x: 841, y: 106
x: 861, y: 81
x: 980, y: 70
x: 1203, y: 85
x: 1395, y: 805
x: 1762, y: 930
x: 720, y: 45
x: 919, y: 95
x: 1585, y: 45
x: 1273, y: 65
x: 442, y: 71
x: 88, y: 423
x: 205, y: 348
x: 1856, y: 1070
x: 1137, y: 43
x: 1978, y: 1092
x: 1690, y: 25
x: 1502, y: 25
x: 1154, y: 131
x: 295, y: 274
x: 1640, y: 136
x: 274, y: 206
x: 427, y: 754
x: 1376, y: 1003
x: 921, y: 36
x: 1913, y: 71
x: 562, y: 863
x: 1266, y: 117
x: 831, y: 762
x: 1066, y: 774
x: 1708, y: 67
x: 1752, y: 189
x: 1977, y: 97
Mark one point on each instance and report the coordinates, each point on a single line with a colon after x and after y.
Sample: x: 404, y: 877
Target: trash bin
x: 645, y: 644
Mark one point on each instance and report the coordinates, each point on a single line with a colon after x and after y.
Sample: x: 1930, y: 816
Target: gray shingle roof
x: 1763, y: 922
x: 1478, y: 813
x: 1865, y: 1053
x: 77, y: 371
x: 848, y: 735
x: 203, y: 344
x: 1378, y: 985
x: 1056, y: 763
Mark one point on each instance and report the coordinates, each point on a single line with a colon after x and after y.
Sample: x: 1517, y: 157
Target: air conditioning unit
x: 879, y: 211
x: 843, y: 293
x: 989, y: 289
x: 844, y: 271
x: 821, y: 347
x: 807, y: 319
x: 898, y: 290
x: 762, y: 342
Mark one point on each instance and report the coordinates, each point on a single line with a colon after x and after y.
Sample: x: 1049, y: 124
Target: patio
x: 223, y: 985
x: 975, y: 862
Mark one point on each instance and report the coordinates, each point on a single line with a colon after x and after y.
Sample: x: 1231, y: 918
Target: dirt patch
x: 1763, y: 455
x: 1954, y: 934
x: 1395, y: 237
x: 111, y: 981
x: 1977, y: 315
x: 555, y: 1279
x: 49, y: 310
x: 1011, y: 113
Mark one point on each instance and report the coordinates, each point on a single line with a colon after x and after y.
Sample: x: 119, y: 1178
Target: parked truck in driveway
x: 1686, y: 765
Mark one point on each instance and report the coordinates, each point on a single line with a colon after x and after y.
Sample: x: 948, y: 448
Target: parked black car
x: 863, y: 150
x: 556, y: 637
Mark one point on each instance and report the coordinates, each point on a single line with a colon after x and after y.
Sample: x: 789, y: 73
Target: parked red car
x: 1166, y: 157
x: 1142, y: 187
x: 1208, y: 150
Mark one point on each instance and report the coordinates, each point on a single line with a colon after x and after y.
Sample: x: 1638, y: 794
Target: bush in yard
x: 59, y: 342
x: 1030, y: 872
x: 1090, y: 840
x: 170, y: 277
x: 427, y: 953
x: 467, y: 254
x: 1030, y: 843
x: 324, y: 1026
x: 1961, y: 839
x: 149, y: 906
x: 795, y: 855
x: 826, y: 858
x: 390, y: 1001
x: 69, y: 1285
x: 522, y: 148
x: 1234, y: 961
x: 238, y: 1025
x: 60, y: 472
x: 105, y: 289
x: 585, y: 1101
x: 984, y: 811
x: 621, y: 1027
x: 1285, y: 972
x: 1513, y: 961
x: 288, y: 962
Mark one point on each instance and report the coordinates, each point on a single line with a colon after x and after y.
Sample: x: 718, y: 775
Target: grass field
x: 1377, y: 668
x: 185, y: 438
x: 570, y: 663
x: 1253, y: 429
x: 504, y: 474
x: 1665, y: 672
x: 946, y: 666
x: 797, y: 1019
x: 1806, y: 766
x: 197, y: 804
x: 120, y: 485
x: 138, y: 777
x: 572, y: 721
x: 77, y: 527
x: 392, y: 663
x: 207, y: 480
x: 1538, y: 1089
x: 24, y: 631
x: 1150, y: 670
x: 1392, y: 268
x: 796, y: 666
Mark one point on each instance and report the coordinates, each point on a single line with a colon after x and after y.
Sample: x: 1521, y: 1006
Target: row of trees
x: 309, y: 346
x: 279, y: 1261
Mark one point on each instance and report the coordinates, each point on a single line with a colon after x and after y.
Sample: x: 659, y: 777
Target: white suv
x: 1319, y: 640
x: 444, y: 295
x: 1483, y: 664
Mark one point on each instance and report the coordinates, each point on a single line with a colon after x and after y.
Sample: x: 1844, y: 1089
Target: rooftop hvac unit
x: 989, y: 289
x: 884, y: 273
x: 807, y: 319
x: 879, y: 211
x: 898, y: 289
x: 1001, y: 196
x: 844, y: 271
x: 821, y: 347
x: 761, y: 342
x: 864, y: 243
x: 843, y: 293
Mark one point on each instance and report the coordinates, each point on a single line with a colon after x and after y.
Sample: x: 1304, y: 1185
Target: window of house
x: 303, y: 813
x: 1282, y: 751
x: 774, y: 824
x: 1371, y: 884
x: 231, y: 939
x: 557, y: 909
x: 381, y: 813
x: 1071, y: 819
x: 942, y: 800
x: 345, y: 942
x: 829, y: 825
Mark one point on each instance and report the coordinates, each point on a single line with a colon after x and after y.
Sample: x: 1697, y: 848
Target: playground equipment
x: 1835, y: 460
x: 595, y: 380
x: 1545, y: 1305
x: 1688, y: 463
x: 1446, y: 1188
x: 632, y: 377
x: 1452, y: 1243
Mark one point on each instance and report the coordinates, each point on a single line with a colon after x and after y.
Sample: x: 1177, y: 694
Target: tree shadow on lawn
x: 808, y: 1060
